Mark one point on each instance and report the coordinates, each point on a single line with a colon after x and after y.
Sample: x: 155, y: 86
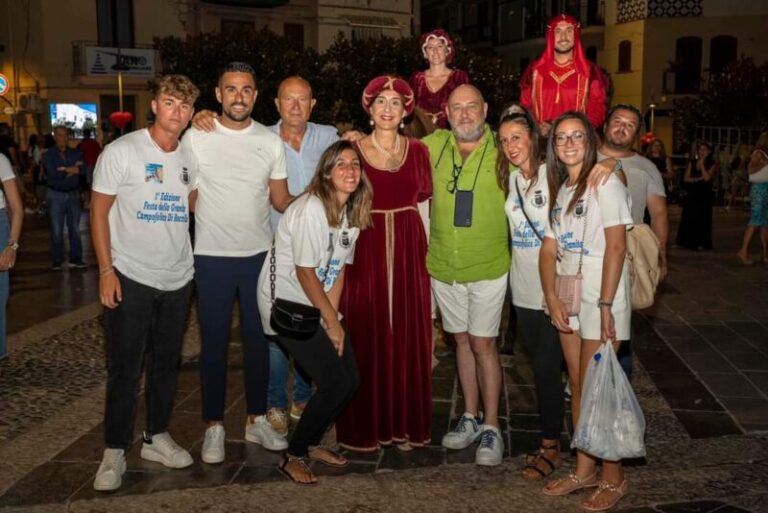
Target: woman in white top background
x: 315, y: 240
x: 588, y: 225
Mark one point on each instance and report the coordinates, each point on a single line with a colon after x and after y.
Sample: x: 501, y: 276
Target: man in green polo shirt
x: 468, y: 259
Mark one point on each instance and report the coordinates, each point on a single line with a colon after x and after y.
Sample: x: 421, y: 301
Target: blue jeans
x: 277, y: 396
x: 5, y: 233
x: 65, y: 207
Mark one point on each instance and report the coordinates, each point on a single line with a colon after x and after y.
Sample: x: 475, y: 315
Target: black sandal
x: 302, y: 461
x: 534, y: 458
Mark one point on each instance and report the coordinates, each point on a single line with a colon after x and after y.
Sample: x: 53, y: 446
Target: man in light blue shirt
x: 304, y: 143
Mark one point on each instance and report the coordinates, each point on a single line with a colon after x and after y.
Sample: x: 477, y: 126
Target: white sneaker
x: 491, y: 448
x: 465, y: 433
x: 110, y: 474
x: 262, y: 432
x: 161, y: 448
x: 213, y: 444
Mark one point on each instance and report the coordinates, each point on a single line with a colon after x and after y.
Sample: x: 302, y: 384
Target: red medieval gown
x: 386, y: 305
x: 433, y: 103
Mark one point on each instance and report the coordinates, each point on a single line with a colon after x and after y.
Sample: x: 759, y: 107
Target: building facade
x: 61, y: 59
x: 654, y: 50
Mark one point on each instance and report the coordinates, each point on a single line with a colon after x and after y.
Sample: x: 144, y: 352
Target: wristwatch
x: 601, y: 303
x: 14, y: 245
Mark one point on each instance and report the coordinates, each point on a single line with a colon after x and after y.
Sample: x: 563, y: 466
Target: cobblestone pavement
x: 701, y: 377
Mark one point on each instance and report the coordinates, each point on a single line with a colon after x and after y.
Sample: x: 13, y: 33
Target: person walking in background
x: 62, y: 169
x: 11, y: 219
x: 314, y: 243
x: 90, y: 150
x: 758, y: 197
x: 695, y: 230
x: 145, y: 276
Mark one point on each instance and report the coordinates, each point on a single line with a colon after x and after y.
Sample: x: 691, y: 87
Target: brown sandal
x: 329, y: 457
x: 618, y: 492
x: 302, y: 462
x: 533, y: 460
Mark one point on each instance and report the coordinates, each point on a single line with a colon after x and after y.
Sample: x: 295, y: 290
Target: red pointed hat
x: 442, y: 36
x: 388, y: 83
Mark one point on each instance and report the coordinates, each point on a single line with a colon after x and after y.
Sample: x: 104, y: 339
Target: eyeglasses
x: 454, y: 183
x: 578, y: 138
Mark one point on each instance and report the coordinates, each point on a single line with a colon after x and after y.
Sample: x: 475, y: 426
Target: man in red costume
x: 562, y: 79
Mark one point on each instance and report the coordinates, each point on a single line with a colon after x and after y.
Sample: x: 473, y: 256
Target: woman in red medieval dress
x: 386, y: 301
x: 433, y: 85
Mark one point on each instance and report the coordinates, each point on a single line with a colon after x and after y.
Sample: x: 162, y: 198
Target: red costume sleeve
x: 596, y: 102
x: 526, y: 86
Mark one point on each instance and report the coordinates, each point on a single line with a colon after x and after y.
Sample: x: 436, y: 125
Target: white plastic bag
x: 611, y: 424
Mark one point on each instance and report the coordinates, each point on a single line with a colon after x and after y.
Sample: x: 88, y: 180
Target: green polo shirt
x: 478, y: 252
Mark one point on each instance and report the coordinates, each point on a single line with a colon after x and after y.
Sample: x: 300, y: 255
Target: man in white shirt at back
x: 241, y: 174
x: 645, y: 184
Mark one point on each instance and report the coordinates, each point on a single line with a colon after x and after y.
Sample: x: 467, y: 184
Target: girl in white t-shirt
x: 587, y: 224
x: 525, y: 182
x: 315, y: 239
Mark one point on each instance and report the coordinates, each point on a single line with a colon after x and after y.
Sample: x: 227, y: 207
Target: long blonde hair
x: 358, y: 206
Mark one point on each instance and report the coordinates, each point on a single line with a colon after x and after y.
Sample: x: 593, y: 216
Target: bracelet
x: 601, y: 303
x: 106, y: 271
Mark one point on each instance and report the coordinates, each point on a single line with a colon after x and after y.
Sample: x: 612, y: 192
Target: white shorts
x: 587, y: 323
x: 473, y: 307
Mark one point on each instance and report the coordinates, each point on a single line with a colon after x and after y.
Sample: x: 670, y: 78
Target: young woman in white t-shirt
x: 592, y: 221
x: 315, y: 239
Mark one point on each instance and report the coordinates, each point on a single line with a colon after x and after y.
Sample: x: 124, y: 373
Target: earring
x: 402, y: 124
x: 370, y: 122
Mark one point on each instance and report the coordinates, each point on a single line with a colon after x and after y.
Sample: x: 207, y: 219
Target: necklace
x: 392, y: 161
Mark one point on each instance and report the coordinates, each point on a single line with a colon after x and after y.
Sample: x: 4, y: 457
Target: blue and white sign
x: 101, y: 60
x: 5, y: 85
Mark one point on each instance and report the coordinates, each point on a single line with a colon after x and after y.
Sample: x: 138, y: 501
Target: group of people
x: 292, y: 211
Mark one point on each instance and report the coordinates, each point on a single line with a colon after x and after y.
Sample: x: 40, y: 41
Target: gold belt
x: 389, y: 237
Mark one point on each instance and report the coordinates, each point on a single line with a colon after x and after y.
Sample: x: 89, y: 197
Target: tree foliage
x: 338, y: 76
x: 738, y: 96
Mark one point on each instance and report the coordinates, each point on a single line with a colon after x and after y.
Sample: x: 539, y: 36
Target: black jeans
x: 336, y: 379
x: 147, y: 322
x: 543, y: 345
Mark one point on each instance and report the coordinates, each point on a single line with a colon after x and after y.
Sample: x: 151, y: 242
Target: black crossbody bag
x: 288, y: 318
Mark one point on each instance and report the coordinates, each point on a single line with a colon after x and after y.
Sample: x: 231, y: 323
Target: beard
x: 617, y: 144
x: 471, y: 134
x: 236, y: 117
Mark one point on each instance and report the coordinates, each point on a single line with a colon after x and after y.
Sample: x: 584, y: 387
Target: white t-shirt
x: 762, y: 175
x: 643, y: 180
x: 234, y: 170
x: 524, y: 274
x: 609, y: 206
x: 6, y: 174
x: 305, y: 239
x: 149, y: 220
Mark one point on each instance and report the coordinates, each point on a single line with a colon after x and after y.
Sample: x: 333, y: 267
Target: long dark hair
x: 556, y: 169
x: 520, y: 116
x: 359, y: 202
